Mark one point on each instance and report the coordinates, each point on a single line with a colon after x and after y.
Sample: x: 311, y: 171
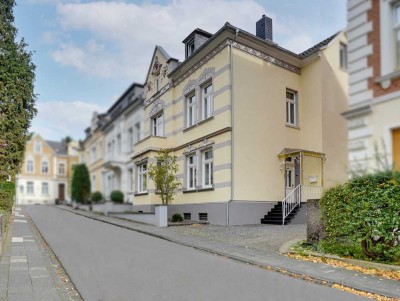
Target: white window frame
x: 47, y: 167
x: 289, y: 176
x: 207, y: 163
x: 292, y: 119
x: 30, y: 163
x: 137, y: 129
x: 191, y: 171
x: 191, y: 111
x: 207, y: 102
x: 45, y: 184
x: 190, y: 48
x: 396, y: 34
x: 131, y: 139
x: 38, y: 146
x: 63, y: 173
x: 94, y: 154
x: 142, y: 178
x: 119, y: 144
x: 29, y: 185
x: 157, y: 124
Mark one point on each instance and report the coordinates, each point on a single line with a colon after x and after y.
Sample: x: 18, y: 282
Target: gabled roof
x: 60, y: 148
x: 164, y: 53
x: 317, y: 47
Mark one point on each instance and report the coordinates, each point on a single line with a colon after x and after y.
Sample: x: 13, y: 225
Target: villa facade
x: 46, y: 173
x: 374, y: 85
x: 249, y: 122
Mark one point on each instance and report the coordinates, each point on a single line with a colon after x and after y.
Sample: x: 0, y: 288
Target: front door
x: 396, y: 148
x: 61, y: 192
x: 292, y: 174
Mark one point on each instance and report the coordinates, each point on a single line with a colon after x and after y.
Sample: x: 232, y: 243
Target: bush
x: 364, y: 215
x: 96, y: 197
x: 176, y: 218
x: 7, y: 193
x: 117, y: 196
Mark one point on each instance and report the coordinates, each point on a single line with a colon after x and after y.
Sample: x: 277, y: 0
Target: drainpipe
x: 232, y: 126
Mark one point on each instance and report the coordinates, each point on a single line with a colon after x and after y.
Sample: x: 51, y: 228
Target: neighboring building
x: 46, y: 173
x: 248, y: 120
x: 110, y: 142
x: 374, y: 85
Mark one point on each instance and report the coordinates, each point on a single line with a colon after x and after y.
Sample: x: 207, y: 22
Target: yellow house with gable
x: 254, y: 126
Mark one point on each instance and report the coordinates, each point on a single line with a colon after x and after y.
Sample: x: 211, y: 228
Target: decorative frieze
x: 191, y: 148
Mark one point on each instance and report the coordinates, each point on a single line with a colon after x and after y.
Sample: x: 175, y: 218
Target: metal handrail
x: 290, y: 202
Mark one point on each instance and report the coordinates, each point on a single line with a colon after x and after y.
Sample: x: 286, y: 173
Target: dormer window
x: 190, y: 48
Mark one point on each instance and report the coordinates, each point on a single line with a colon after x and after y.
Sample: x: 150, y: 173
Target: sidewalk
x: 28, y: 268
x: 321, y: 273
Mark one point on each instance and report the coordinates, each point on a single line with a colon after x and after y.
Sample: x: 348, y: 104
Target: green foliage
x: 7, y: 193
x: 117, y: 196
x: 96, y: 197
x: 364, y: 215
x: 17, y: 105
x: 80, y: 186
x: 177, y: 218
x: 163, y: 175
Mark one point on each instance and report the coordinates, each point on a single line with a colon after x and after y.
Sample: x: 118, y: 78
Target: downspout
x: 232, y: 127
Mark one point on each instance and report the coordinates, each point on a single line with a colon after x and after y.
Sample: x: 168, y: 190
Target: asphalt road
x: 109, y: 263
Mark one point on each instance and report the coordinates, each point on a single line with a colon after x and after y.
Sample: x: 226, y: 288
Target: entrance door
x: 61, y: 192
x: 292, y: 174
x: 396, y: 148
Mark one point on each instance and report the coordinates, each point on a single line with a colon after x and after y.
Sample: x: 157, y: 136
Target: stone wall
x: 314, y: 222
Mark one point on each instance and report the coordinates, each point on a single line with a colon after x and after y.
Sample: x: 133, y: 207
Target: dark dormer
x: 197, y: 38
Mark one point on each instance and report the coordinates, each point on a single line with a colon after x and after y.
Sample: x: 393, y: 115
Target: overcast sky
x: 88, y: 52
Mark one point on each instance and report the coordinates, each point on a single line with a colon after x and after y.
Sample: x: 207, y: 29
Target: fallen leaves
x: 363, y: 294
x: 392, y: 275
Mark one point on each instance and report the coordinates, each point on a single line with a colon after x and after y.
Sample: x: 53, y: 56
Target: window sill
x: 198, y: 123
x: 388, y: 77
x: 141, y: 193
x: 292, y: 126
x: 197, y: 190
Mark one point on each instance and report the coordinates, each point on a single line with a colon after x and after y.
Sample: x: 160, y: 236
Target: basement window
x: 187, y: 216
x: 203, y: 216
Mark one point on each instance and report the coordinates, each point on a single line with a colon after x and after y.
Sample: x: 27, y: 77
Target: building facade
x: 374, y: 85
x: 46, y: 173
x: 110, y: 142
x: 248, y: 121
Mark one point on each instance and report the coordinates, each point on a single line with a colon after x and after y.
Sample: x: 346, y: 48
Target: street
x: 111, y: 263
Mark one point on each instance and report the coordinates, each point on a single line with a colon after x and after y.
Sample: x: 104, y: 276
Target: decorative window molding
x: 142, y: 177
x: 30, y: 165
x: 292, y: 103
x: 44, y: 166
x: 61, y: 169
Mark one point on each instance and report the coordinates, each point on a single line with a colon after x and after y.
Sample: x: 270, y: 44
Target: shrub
x: 80, y: 186
x: 117, y: 196
x: 364, y: 214
x: 176, y: 218
x: 7, y: 193
x: 96, y: 197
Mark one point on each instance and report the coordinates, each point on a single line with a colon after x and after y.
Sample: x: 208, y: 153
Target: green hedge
x: 362, y: 218
x: 7, y: 193
x: 96, y: 197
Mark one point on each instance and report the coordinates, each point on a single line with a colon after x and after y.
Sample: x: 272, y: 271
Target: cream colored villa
x: 251, y: 123
x: 46, y: 173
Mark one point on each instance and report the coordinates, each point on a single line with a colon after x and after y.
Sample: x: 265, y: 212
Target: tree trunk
x: 364, y: 246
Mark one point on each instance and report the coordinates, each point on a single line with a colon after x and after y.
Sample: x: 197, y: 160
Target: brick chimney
x: 264, y: 28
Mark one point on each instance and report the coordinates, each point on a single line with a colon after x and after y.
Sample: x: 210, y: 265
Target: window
x: 189, y: 48
x: 208, y: 177
x: 45, y: 167
x: 94, y: 154
x: 291, y: 108
x: 343, y: 56
x: 191, y: 110
x: 38, y: 146
x: 119, y: 146
x: 21, y: 188
x: 29, y: 188
x: 207, y: 102
x: 131, y: 139
x: 137, y: 129
x: 187, y: 216
x: 45, y: 188
x: 396, y: 32
x: 289, y: 177
x: 191, y: 172
x: 158, y: 125
x: 157, y: 83
x: 29, y: 166
x: 61, y: 168
x: 142, y: 178
x: 93, y: 184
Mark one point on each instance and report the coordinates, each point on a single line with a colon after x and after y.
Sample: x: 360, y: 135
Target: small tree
x: 80, y: 187
x: 164, y: 177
